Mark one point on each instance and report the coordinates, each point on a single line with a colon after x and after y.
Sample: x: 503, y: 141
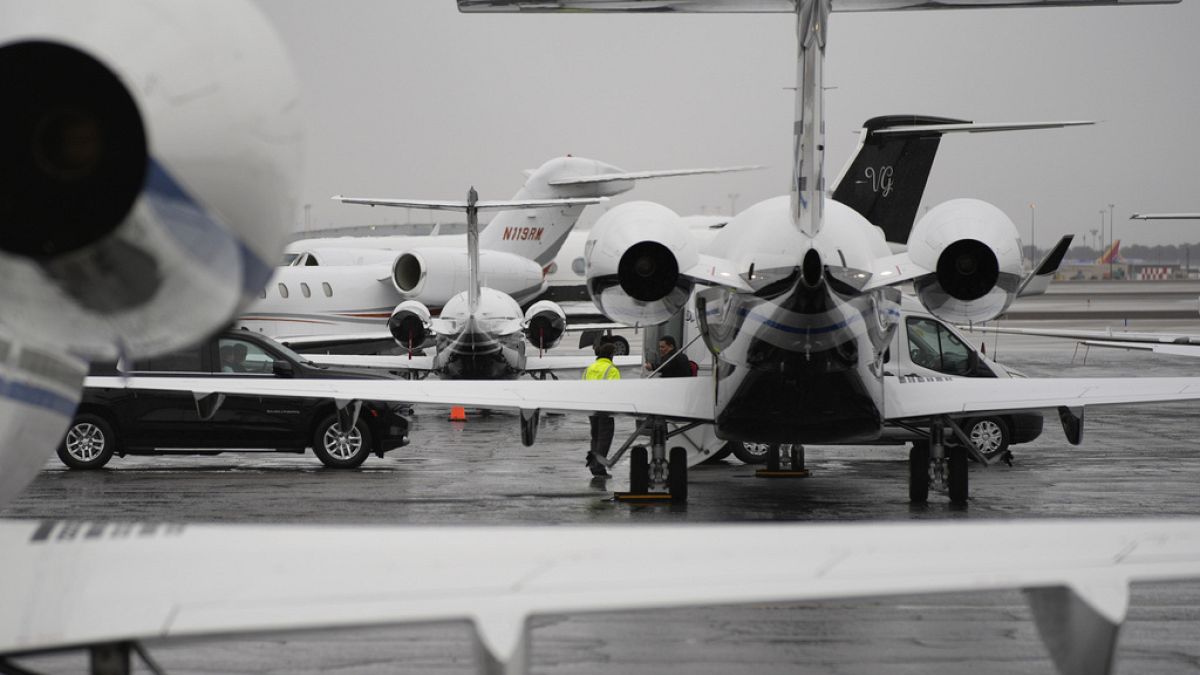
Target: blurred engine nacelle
x: 545, y: 324
x: 635, y: 259
x: 433, y: 274
x: 410, y: 325
x: 976, y: 254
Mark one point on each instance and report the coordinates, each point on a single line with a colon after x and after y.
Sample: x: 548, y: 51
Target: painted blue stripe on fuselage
x: 198, y: 232
x: 37, y: 397
x: 797, y: 330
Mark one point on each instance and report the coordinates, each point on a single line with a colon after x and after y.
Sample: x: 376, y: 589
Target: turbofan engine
x: 433, y: 275
x: 410, y: 325
x: 635, y: 258
x: 976, y: 254
x: 545, y: 324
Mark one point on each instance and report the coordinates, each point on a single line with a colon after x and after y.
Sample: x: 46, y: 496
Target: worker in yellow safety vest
x: 602, y: 423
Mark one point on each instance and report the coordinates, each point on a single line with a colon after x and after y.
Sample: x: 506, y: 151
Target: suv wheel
x: 751, y: 453
x: 89, y: 443
x: 338, y: 449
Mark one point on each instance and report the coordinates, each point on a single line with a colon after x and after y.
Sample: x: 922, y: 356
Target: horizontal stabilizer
x: 642, y: 175
x: 770, y: 6
x: 892, y: 270
x: 482, y: 205
x: 1036, y: 282
x: 1165, y: 216
x: 716, y: 271
x: 974, y: 127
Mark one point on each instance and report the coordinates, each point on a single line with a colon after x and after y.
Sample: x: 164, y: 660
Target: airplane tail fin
x: 1111, y: 254
x: 1039, y: 278
x: 540, y: 236
x: 885, y: 180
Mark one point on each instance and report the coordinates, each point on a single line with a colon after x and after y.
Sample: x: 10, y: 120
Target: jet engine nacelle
x: 410, y: 324
x: 635, y: 260
x: 149, y: 157
x: 976, y: 254
x: 433, y: 275
x: 545, y: 324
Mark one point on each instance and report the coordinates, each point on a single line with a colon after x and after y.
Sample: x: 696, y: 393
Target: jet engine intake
x: 975, y: 252
x: 635, y: 259
x: 545, y: 324
x: 433, y: 275
x: 410, y: 325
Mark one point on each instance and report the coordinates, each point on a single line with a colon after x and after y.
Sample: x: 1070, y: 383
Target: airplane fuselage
x: 485, y: 345
x: 800, y: 359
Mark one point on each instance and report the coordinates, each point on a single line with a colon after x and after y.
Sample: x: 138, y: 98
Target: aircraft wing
x: 575, y: 362
x: 642, y: 175
x: 1172, y: 349
x: 907, y: 398
x: 769, y: 6
x: 683, y: 398
x: 1165, y: 216
x: 1096, y: 336
x: 390, y: 362
x: 83, y: 584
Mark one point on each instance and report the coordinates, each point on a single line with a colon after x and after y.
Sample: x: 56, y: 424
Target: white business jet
x: 347, y: 285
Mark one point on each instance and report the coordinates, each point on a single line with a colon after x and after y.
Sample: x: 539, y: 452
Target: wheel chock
x: 643, y: 497
x: 782, y: 473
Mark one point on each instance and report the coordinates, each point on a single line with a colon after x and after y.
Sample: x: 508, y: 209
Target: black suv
x: 132, y: 422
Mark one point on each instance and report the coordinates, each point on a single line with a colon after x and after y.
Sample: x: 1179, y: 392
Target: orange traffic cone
x: 458, y: 414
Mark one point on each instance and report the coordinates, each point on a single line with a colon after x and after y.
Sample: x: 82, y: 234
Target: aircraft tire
x: 341, y: 451
x: 918, y: 472
x: 88, y: 444
x: 677, y: 483
x: 958, y: 476
x: 749, y: 453
x: 639, y: 470
x: 621, y: 345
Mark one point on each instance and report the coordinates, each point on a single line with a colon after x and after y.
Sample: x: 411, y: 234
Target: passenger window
x: 283, y: 291
x: 304, y: 290
x: 186, y: 361
x: 931, y: 345
x: 263, y: 293
x: 242, y: 356
x: 327, y: 288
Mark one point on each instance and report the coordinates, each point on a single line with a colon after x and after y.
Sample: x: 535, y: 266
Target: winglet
x: 1079, y: 623
x: 502, y: 643
x: 1036, y: 282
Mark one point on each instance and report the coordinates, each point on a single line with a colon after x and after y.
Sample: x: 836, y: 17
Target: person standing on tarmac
x: 671, y: 362
x: 602, y: 423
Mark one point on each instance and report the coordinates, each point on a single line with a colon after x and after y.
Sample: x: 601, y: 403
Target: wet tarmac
x: 1134, y: 461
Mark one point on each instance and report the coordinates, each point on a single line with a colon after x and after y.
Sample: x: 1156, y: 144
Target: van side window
x: 184, y: 361
x: 931, y: 345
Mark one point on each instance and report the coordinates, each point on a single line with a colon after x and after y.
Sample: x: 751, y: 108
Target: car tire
x: 88, y: 444
x: 341, y: 451
x: 751, y: 453
x: 990, y: 435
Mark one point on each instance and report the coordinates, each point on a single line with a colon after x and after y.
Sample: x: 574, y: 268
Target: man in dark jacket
x: 670, y: 360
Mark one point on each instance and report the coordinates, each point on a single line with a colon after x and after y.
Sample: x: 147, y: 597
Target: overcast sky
x: 413, y: 99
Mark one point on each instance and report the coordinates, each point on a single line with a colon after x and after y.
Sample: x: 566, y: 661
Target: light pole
x: 733, y: 196
x: 1094, y: 233
x: 1111, y: 239
x: 1100, y: 248
x: 307, y: 217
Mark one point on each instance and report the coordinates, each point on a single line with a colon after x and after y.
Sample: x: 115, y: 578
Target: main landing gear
x: 784, y: 461
x: 943, y: 467
x: 655, y: 475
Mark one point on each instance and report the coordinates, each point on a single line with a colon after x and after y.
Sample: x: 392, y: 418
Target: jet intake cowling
x: 975, y: 252
x: 545, y: 324
x: 433, y: 274
x: 636, y: 259
x: 410, y: 324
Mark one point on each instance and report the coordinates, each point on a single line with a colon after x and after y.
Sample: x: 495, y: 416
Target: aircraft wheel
x: 958, y: 481
x: 918, y: 472
x: 773, y: 457
x: 750, y: 453
x: 639, y: 470
x: 89, y: 443
x: 341, y: 450
x: 621, y: 345
x: 677, y: 475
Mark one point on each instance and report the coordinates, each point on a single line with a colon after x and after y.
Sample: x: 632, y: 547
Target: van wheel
x: 990, y: 435
x: 751, y: 453
x: 338, y: 449
x: 89, y: 443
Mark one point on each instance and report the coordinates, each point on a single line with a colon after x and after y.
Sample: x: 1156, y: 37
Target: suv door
x: 166, y: 419
x: 254, y: 421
